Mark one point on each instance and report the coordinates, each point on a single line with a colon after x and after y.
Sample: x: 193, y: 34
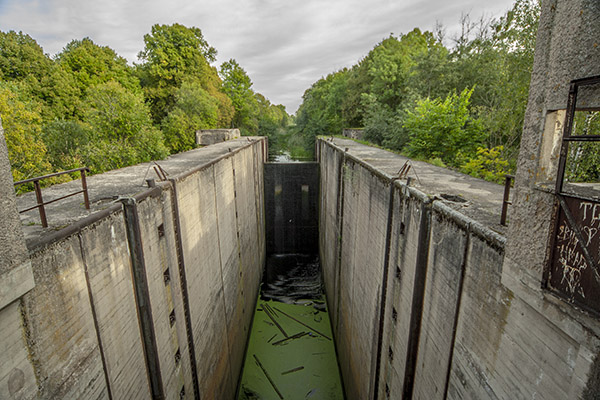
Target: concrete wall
x: 450, y: 327
x: 567, y: 49
x: 152, y: 297
x: 354, y: 133
x: 205, y: 137
x: 17, y: 378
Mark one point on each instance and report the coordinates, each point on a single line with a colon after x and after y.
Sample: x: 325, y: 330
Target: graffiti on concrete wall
x: 574, y: 270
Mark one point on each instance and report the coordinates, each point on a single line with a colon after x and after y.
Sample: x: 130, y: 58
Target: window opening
x: 573, y: 272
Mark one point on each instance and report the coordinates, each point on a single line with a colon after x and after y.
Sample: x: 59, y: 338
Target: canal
x: 291, y: 352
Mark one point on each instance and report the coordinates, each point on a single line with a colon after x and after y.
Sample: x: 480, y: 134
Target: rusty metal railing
x: 506, y: 202
x: 38, y: 192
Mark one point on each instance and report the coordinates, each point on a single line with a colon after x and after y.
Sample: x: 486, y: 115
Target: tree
x: 22, y: 128
x: 443, y: 129
x: 498, y: 60
x: 272, y: 121
x: 238, y: 86
x: 583, y: 158
x: 321, y: 110
x: 194, y: 109
x: 122, y: 127
x: 36, y: 76
x: 21, y: 57
x: 65, y: 140
x: 409, y: 74
x: 60, y: 95
x: 382, y: 125
x: 173, y: 54
x: 91, y: 65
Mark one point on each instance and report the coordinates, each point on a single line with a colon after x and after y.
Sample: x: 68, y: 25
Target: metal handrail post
x: 40, y: 202
x: 505, y: 201
x: 86, y: 198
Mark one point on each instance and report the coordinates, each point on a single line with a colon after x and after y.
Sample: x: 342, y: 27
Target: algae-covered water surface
x: 291, y: 354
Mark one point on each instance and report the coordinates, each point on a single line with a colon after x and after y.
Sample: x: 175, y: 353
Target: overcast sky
x: 284, y: 45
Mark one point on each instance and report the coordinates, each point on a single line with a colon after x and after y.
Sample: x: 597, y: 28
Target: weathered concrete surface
x: 223, y: 262
x: 13, y: 252
x: 353, y: 133
x: 17, y: 379
x: 106, y: 260
x: 105, y: 188
x: 201, y: 253
x: 483, y: 199
x: 166, y: 303
x: 567, y: 48
x: 402, y: 275
x: 443, y: 286
x: 205, y: 137
x: 450, y: 328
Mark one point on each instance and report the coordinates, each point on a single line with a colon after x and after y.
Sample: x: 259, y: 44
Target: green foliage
x: 382, y: 125
x: 487, y: 164
x: 321, y: 110
x: 21, y: 57
x: 403, y: 78
x: 88, y: 107
x: 443, y: 128
x: 122, y: 127
x: 64, y: 140
x: 114, y: 112
x: 398, y: 67
x: 172, y: 55
x: 238, y: 86
x: 437, y: 162
x: 60, y: 95
x: 583, y: 158
x: 22, y: 124
x: 35, y: 76
x: 194, y: 109
x: 91, y: 65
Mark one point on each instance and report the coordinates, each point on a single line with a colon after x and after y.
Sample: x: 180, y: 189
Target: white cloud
x: 284, y: 46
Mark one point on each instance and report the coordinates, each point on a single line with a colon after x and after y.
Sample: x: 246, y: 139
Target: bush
x: 443, y: 129
x: 488, y: 164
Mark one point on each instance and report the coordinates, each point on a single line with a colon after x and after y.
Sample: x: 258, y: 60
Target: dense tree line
x: 461, y: 105
x: 87, y: 107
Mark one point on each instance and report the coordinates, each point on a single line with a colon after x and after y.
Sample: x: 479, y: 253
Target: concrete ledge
x: 67, y: 216
x: 206, y: 137
x: 356, y: 133
x: 493, y: 238
x: 359, y: 160
x: 230, y: 152
x: 483, y: 199
x: 37, y: 243
x: 15, y: 283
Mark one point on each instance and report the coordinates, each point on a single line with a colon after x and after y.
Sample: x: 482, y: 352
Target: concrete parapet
x: 151, y: 296
x: 423, y: 276
x: 354, y: 133
x: 567, y: 49
x: 205, y: 137
x: 17, y: 379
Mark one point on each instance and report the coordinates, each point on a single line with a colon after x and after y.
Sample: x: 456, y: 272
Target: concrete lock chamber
x: 153, y: 293
x: 291, y: 353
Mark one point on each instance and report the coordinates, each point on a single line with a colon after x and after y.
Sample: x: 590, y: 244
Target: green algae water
x: 291, y: 353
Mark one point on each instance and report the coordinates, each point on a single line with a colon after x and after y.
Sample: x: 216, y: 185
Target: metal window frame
x: 568, y: 127
x: 562, y: 196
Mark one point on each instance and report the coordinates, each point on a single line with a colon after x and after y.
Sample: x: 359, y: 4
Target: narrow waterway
x: 291, y: 353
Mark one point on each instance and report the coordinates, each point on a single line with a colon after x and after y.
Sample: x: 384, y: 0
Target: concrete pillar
x: 567, y: 48
x: 17, y: 379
